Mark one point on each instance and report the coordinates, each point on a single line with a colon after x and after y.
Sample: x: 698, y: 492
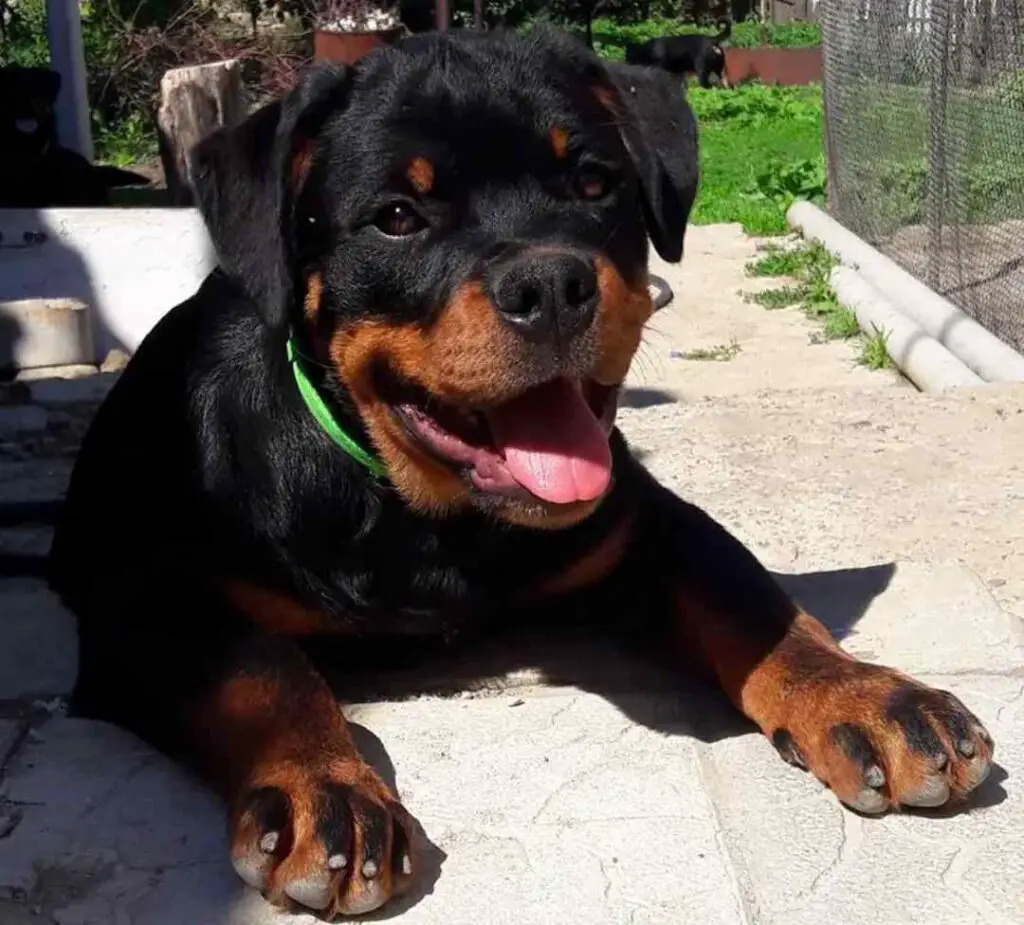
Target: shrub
x: 125, y: 61
x: 784, y: 183
x: 754, y: 104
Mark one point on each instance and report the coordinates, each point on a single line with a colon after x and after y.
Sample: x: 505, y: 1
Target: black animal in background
x: 35, y: 171
x: 701, y: 55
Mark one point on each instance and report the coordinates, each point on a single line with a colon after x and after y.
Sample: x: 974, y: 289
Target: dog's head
x: 456, y: 229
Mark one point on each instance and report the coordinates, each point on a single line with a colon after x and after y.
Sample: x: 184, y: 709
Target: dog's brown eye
x: 591, y: 183
x: 398, y: 220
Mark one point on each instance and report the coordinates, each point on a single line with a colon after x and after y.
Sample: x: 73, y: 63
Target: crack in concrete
x: 1009, y: 704
x: 952, y: 878
x: 554, y: 717
x: 606, y: 893
x: 711, y: 787
x: 957, y: 866
x: 549, y: 799
x: 116, y: 789
x: 18, y: 740
x: 852, y: 828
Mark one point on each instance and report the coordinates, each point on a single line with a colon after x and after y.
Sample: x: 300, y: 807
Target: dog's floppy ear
x: 246, y: 179
x: 660, y: 134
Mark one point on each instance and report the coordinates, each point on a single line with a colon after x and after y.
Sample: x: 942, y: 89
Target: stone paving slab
x: 827, y: 479
x: 927, y: 618
x: 547, y: 809
x: 38, y: 643
x: 561, y: 806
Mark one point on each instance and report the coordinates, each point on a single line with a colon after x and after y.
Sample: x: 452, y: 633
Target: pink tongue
x: 553, y: 444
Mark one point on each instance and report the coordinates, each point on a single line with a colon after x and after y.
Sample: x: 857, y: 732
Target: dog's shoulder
x: 140, y: 467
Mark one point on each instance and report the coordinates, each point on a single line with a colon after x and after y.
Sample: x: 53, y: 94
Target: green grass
x: 778, y: 298
x: 874, y: 353
x: 779, y: 261
x: 760, y: 149
x: 840, y: 323
x: 720, y: 353
x: 130, y: 141
x: 810, y: 265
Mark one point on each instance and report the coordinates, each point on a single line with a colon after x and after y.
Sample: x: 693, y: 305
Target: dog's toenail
x: 406, y: 865
x: 933, y: 792
x: 313, y: 891
x: 977, y: 772
x: 268, y: 843
x: 966, y: 748
x: 869, y: 802
x: 874, y: 776
x: 370, y: 870
x: 337, y: 861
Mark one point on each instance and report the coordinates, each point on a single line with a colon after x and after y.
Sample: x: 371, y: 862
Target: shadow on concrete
x: 43, y: 267
x: 636, y: 682
x: 36, y: 263
x: 838, y: 598
x: 10, y: 330
x: 429, y: 857
x: 639, y: 397
x: 574, y: 653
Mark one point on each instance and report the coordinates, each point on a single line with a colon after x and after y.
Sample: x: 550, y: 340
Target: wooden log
x: 195, y: 101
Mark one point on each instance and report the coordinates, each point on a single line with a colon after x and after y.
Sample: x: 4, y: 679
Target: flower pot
x: 349, y: 47
x: 786, y: 66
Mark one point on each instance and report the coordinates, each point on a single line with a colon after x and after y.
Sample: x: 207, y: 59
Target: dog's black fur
x: 222, y: 468
x: 214, y: 537
x: 701, y: 55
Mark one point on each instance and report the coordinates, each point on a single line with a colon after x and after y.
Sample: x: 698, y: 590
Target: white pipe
x: 978, y: 348
x: 923, y: 360
x: 67, y: 58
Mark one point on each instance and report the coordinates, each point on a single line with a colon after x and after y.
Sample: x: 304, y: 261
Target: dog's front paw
x: 881, y: 740
x: 334, y: 841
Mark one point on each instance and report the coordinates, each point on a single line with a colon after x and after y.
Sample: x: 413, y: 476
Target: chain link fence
x: 924, y: 106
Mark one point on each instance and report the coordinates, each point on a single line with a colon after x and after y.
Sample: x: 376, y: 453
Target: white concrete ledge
x: 129, y: 266
x: 922, y: 359
x: 976, y: 347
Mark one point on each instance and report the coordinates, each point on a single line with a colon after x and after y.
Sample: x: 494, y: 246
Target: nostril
x: 579, y: 289
x: 530, y: 301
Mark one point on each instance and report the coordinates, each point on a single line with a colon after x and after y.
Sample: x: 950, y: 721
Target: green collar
x: 318, y: 408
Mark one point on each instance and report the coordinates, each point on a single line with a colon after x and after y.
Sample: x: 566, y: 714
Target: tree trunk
x: 193, y: 102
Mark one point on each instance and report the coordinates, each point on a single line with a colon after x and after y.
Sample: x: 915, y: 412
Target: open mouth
x: 550, y: 443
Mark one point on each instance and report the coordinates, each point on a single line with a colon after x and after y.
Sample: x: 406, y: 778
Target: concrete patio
x: 896, y: 517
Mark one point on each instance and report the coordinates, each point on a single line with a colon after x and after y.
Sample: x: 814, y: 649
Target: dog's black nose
x: 547, y: 296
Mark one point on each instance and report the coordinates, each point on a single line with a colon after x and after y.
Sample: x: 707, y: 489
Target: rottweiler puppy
x: 700, y: 55
x: 390, y: 414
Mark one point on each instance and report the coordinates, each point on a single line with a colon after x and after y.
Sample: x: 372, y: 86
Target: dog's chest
x: 417, y: 587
